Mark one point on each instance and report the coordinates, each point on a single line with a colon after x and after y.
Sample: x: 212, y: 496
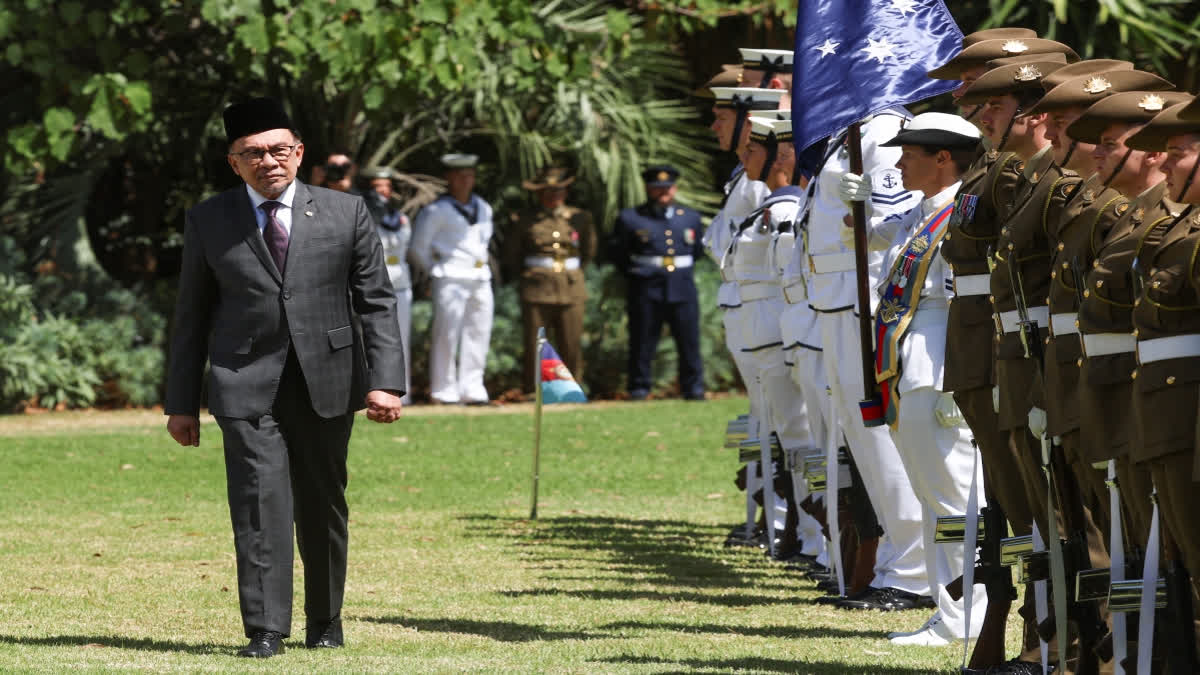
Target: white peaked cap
x: 764, y: 98
x: 755, y: 56
x: 459, y: 160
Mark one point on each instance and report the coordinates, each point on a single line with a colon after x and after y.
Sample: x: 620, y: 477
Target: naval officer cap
x: 1013, y: 78
x: 937, y: 131
x: 254, y: 116
x: 769, y: 60
x: 749, y: 98
x: 980, y: 53
x: 1153, y: 137
x: 1127, y: 107
x: 459, y: 160
x: 730, y: 76
x: 660, y: 175
x: 1085, y: 90
x: 764, y: 130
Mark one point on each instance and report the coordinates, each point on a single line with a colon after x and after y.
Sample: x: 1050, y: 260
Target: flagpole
x: 859, y: 213
x: 537, y: 419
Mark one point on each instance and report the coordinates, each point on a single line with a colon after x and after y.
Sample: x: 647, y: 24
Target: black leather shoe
x: 883, y: 599
x: 263, y: 645
x: 326, y: 635
x: 1017, y: 667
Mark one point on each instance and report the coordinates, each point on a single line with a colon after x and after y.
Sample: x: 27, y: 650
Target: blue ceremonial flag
x: 855, y: 58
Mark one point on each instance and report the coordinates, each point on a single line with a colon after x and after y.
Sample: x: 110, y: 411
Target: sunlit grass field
x: 116, y: 553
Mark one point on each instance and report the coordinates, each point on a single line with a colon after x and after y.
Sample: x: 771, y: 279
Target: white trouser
x: 404, y: 318
x: 735, y: 329
x: 900, y: 560
x: 939, y: 462
x: 808, y: 374
x: 462, y: 324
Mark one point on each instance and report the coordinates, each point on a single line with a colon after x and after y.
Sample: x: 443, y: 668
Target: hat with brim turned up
x: 1127, y: 107
x: 1153, y: 137
x: 550, y: 178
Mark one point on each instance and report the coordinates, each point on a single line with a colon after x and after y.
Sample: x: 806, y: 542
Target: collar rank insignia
x: 1089, y: 195
x: 1014, y: 47
x: 1027, y: 74
x: 1123, y: 207
x: 1096, y: 85
x: 1152, y: 103
x: 993, y: 155
x: 1137, y: 215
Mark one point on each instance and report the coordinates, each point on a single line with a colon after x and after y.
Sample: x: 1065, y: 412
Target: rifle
x: 997, y: 581
x: 1068, y: 557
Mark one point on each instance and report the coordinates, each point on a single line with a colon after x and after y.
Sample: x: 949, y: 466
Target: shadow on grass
x: 502, y: 631
x: 675, y: 551
x: 729, y: 600
x: 758, y: 664
x: 117, y: 642
x: 786, y: 632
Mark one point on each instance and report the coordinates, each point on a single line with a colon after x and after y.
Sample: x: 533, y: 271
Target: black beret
x: 254, y: 116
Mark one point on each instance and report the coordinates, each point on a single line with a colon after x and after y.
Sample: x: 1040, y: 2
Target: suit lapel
x: 304, y: 221
x: 242, y: 216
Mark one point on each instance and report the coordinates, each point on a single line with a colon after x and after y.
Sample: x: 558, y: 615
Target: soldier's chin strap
x: 1070, y: 153
x: 971, y: 115
x: 1187, y: 184
x: 770, y: 68
x: 743, y: 112
x: 772, y: 146
x: 1120, y: 165
x: 1008, y: 130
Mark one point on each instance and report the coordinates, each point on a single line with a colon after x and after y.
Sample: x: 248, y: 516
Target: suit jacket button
x: 287, y: 294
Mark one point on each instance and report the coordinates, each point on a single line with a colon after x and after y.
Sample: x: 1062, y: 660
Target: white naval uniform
x: 743, y: 196
x: 455, y: 254
x: 801, y: 430
x: 395, y: 253
x: 939, y: 460
x: 828, y: 269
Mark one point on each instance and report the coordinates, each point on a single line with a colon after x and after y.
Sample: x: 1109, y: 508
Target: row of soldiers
x: 1036, y: 348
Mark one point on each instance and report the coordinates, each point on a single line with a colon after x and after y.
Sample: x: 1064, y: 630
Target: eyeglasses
x: 280, y: 153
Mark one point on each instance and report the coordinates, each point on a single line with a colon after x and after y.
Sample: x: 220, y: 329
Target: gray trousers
x: 288, y: 466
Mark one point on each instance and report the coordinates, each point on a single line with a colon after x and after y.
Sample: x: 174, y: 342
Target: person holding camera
x: 336, y: 173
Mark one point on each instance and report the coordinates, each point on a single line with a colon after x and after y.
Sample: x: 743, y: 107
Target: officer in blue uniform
x: 656, y: 245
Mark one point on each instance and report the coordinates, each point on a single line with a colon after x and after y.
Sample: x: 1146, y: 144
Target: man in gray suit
x: 284, y: 291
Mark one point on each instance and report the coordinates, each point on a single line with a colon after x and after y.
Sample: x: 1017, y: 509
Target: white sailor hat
x: 459, y: 160
x: 762, y: 129
x: 937, y: 130
x: 747, y: 97
x: 774, y: 60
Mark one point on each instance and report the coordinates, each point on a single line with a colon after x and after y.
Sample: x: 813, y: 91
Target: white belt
x: 972, y: 284
x: 831, y: 262
x: 676, y: 261
x: 760, y: 291
x: 796, y: 293
x: 1040, y: 315
x: 1105, y: 344
x: 1064, y: 324
x: 1174, y: 347
x: 552, y: 263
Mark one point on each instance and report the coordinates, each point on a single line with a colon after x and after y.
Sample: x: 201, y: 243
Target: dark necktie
x: 275, y: 236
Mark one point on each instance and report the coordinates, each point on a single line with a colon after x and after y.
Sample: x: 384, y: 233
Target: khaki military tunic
x: 1106, y: 323
x: 547, y: 251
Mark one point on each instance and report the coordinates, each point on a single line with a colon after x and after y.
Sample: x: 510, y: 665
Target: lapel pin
x: 308, y: 213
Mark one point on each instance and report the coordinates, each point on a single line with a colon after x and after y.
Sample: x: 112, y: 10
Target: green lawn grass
x: 116, y: 553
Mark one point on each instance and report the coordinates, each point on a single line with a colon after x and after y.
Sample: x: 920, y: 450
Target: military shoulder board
x: 964, y: 209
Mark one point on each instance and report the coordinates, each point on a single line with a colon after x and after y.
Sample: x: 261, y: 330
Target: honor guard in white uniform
x: 914, y: 303
x: 900, y: 580
x: 395, y: 233
x: 450, y: 242
x: 742, y: 196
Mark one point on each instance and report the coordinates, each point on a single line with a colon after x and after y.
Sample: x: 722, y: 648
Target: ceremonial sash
x: 899, y: 300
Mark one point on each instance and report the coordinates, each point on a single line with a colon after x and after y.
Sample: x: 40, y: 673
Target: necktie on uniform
x: 275, y: 235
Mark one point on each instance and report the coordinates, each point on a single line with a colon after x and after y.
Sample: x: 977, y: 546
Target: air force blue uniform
x: 657, y: 248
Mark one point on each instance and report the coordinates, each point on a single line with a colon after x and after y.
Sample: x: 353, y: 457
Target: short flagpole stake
x: 537, y: 422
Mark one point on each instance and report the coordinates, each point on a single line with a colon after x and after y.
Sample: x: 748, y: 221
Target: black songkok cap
x: 254, y: 116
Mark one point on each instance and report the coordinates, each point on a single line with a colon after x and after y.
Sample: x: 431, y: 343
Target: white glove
x: 855, y: 188
x: 1037, y: 422
x: 946, y: 411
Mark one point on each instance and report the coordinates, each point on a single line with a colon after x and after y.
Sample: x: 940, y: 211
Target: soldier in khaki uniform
x: 546, y: 247
x: 1166, y: 320
x: 1105, y: 318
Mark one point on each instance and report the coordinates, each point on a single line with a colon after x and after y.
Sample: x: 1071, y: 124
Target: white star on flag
x: 879, y: 49
x: 828, y: 48
x: 904, y: 6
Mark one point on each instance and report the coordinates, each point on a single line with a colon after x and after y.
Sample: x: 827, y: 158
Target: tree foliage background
x: 111, y: 125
